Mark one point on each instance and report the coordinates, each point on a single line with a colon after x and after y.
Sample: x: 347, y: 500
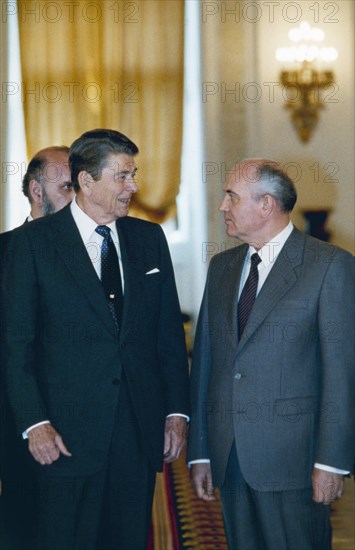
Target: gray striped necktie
x: 247, y: 297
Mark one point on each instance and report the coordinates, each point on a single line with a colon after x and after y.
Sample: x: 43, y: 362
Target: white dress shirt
x: 268, y: 254
x: 93, y: 240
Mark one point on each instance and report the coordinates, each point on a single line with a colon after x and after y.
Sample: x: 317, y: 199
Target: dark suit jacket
x: 285, y: 392
x: 64, y: 358
x: 17, y: 502
x: 2, y: 403
x: 5, y: 418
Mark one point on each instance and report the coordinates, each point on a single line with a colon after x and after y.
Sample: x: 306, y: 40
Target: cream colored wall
x: 239, y: 52
x: 225, y: 115
x: 332, y: 147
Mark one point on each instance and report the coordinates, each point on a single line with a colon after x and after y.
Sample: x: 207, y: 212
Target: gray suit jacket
x: 285, y: 392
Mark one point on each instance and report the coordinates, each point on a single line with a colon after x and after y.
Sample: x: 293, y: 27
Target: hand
x: 201, y: 478
x: 174, y: 437
x: 45, y: 444
x: 327, y: 486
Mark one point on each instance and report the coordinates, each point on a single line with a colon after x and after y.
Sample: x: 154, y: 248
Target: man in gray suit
x: 272, y: 377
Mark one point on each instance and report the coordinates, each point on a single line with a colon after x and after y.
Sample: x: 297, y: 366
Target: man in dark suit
x: 272, y: 379
x: 47, y: 185
x: 96, y: 369
x: 47, y: 182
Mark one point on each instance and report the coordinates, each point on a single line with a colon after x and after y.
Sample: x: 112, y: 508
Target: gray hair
x: 272, y: 180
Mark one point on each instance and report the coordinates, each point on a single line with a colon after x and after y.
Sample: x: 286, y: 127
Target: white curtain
x: 14, y: 205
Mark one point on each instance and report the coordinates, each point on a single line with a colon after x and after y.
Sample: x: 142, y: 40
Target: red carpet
x: 180, y: 520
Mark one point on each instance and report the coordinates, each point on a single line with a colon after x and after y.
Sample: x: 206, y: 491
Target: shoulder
x: 316, y: 249
x: 137, y: 223
x: 4, y: 238
x: 135, y: 228
x: 319, y: 259
x: 305, y: 248
x: 233, y: 255
x: 42, y: 226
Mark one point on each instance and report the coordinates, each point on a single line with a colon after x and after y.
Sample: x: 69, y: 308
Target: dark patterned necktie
x: 110, y: 274
x: 247, y: 297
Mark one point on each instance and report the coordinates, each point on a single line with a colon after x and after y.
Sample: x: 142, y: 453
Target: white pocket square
x: 155, y: 270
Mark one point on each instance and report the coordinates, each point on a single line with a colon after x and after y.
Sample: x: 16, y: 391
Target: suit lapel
x: 280, y: 279
x: 67, y: 239
x: 229, y: 288
x: 131, y: 245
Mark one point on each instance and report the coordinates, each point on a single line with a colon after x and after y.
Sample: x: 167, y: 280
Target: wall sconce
x: 304, y: 81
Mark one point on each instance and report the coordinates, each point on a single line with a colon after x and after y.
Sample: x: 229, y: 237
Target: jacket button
x: 237, y: 376
x: 115, y: 381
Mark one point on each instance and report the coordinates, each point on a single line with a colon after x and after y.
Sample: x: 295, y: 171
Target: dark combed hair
x: 90, y: 151
x: 272, y: 180
x: 36, y: 167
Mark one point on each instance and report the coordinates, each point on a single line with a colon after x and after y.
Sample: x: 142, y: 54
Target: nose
x: 223, y: 207
x: 131, y: 184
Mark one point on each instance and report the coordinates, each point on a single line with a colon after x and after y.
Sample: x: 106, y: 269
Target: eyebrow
x: 128, y: 171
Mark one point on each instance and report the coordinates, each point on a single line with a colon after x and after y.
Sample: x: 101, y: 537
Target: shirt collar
x: 269, y: 252
x: 87, y: 225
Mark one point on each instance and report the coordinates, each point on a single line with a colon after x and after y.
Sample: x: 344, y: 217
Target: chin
x: 122, y: 213
x: 230, y: 231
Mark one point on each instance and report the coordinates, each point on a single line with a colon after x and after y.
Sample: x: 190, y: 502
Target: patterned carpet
x: 182, y: 522
x: 194, y: 525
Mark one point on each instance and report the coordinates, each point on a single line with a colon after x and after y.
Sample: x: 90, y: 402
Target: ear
x: 267, y: 205
x: 36, y: 192
x: 85, y: 181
